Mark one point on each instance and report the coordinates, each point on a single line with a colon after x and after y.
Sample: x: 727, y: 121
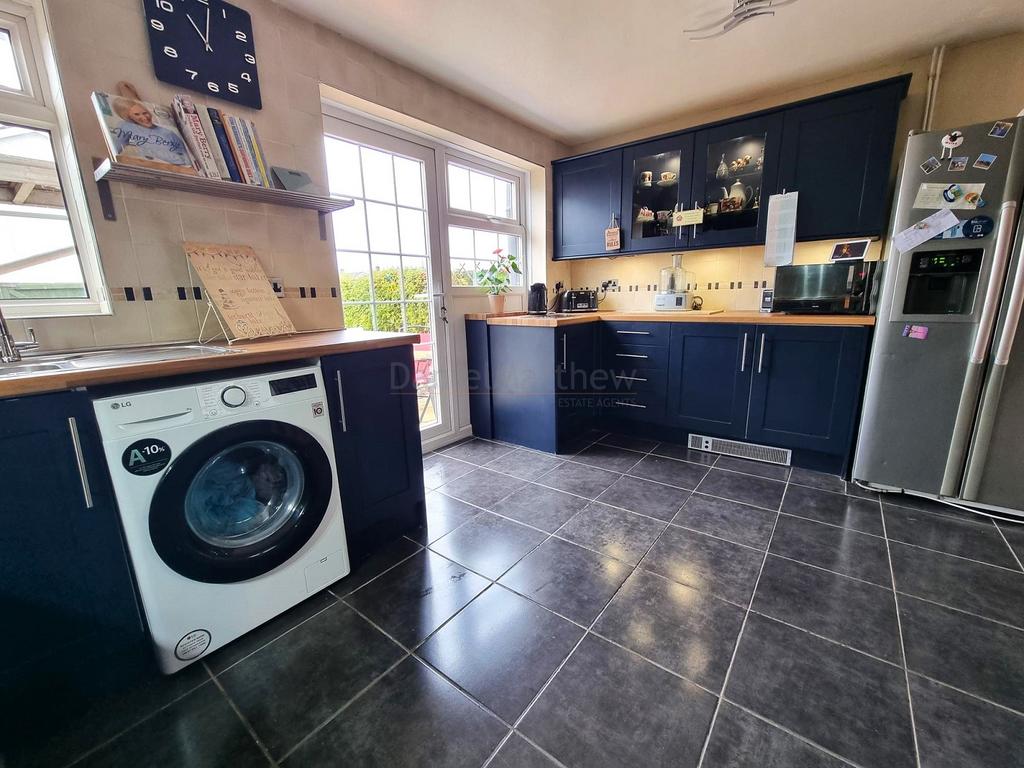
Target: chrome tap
x: 10, y: 350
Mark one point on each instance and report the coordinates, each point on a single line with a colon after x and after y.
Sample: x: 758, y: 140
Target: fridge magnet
x: 850, y: 250
x: 1001, y: 129
x: 958, y: 163
x: 978, y: 227
x: 984, y: 161
x: 951, y: 141
x: 931, y: 165
x: 919, y: 332
x: 952, y: 193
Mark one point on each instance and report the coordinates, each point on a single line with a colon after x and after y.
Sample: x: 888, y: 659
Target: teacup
x: 669, y: 176
x: 646, y: 177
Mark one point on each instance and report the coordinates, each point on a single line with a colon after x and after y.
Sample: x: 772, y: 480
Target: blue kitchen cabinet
x: 478, y: 361
x: 709, y: 378
x: 646, y: 192
x: 588, y: 192
x: 807, y: 386
x: 64, y: 573
x: 371, y: 398
x: 838, y: 154
x: 635, y: 361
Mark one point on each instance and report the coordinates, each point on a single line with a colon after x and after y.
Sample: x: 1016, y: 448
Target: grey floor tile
x: 444, y: 515
x: 678, y: 627
x: 383, y: 558
x: 647, y: 498
x: 845, y: 701
x: 730, y: 520
x: 974, y: 540
x: 439, y: 469
x: 682, y: 474
x: 676, y: 451
x: 853, y: 489
x: 289, y: 687
x: 568, y: 579
x: 613, y: 532
x: 200, y: 730
x: 589, y: 482
x: 524, y: 464
x: 633, y: 443
x: 759, y: 468
x: 862, y: 515
x: 608, y: 457
x: 995, y: 593
x: 975, y: 655
x: 415, y: 598
x: 1014, y: 534
x: 482, y: 487
x: 608, y: 707
x: 847, y: 611
x: 819, y: 480
x: 540, y: 507
x: 740, y: 740
x: 412, y: 717
x: 489, y: 544
x: 955, y: 730
x: 252, y: 641
x: 501, y: 649
x: 517, y: 752
x: 850, y: 553
x: 746, y: 489
x: 477, y: 451
x: 712, y: 566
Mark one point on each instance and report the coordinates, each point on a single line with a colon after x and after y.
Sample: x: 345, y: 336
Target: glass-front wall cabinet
x: 659, y: 184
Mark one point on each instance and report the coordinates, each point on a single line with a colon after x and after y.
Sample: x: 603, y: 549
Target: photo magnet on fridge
x: 1001, y: 129
x: 958, y: 163
x: 984, y: 161
x: 931, y: 165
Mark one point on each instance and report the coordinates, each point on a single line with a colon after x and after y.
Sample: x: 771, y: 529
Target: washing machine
x: 229, y: 500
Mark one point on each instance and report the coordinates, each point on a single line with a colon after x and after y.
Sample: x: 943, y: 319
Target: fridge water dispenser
x: 943, y: 282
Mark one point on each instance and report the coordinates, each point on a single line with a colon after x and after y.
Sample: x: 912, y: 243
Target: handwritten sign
x: 238, y: 287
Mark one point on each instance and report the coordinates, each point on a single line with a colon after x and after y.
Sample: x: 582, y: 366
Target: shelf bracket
x: 323, y: 224
x: 106, y: 198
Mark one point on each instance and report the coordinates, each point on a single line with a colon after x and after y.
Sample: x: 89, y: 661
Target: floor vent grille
x: 741, y: 450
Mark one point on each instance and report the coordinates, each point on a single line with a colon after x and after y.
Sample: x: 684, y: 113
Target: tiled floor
x: 632, y: 605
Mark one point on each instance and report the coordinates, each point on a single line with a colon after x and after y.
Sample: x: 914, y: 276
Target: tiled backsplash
x: 728, y: 278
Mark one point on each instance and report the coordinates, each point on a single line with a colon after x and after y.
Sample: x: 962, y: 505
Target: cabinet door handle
x: 760, y: 356
x: 76, y: 444
x: 634, y: 333
x: 565, y: 352
x: 743, y: 356
x: 341, y: 402
x: 623, y: 354
x: 630, y: 378
x: 629, y: 405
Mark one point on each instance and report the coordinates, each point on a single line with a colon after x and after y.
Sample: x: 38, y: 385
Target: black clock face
x: 205, y: 46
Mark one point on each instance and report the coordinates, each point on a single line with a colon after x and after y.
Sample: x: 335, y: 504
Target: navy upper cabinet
x: 806, y: 386
x: 588, y: 192
x: 735, y: 170
x: 709, y: 377
x: 837, y: 154
x: 656, y: 179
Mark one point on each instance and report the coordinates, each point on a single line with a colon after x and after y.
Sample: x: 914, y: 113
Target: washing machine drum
x: 240, y: 501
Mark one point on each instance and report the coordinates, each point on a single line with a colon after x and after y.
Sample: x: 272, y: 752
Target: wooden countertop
x: 297, y: 347
x: 702, y: 316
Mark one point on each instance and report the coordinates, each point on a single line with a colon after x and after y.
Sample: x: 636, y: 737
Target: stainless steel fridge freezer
x: 944, y: 397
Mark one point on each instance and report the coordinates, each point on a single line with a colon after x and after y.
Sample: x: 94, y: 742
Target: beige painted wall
x: 100, y: 42
x: 980, y: 81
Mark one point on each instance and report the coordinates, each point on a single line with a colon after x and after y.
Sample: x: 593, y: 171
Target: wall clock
x: 205, y: 46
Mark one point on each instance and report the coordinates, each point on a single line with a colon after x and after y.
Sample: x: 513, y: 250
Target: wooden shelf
x: 107, y: 171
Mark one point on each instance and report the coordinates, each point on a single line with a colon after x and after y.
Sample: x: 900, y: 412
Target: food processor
x: 671, y: 295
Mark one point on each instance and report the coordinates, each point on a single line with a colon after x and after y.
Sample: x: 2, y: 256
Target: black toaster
x: 579, y: 301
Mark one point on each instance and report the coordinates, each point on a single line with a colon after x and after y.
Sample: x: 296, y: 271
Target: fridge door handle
x: 974, y: 378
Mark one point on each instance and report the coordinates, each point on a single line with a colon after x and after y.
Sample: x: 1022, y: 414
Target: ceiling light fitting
x: 742, y: 11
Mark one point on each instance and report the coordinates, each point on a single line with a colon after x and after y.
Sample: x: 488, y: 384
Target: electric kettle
x: 538, y: 300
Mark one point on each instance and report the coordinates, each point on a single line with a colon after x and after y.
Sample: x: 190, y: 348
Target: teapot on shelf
x: 739, y: 191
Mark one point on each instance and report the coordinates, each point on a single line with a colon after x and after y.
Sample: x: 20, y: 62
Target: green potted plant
x: 497, y: 278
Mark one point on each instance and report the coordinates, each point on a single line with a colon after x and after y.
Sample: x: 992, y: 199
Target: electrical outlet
x: 610, y: 285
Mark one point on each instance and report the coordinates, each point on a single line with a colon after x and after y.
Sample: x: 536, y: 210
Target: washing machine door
x: 240, y: 501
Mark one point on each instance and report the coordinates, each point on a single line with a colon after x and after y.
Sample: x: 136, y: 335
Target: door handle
x: 760, y: 356
x: 623, y: 354
x: 634, y: 333
x: 987, y: 323
x: 76, y: 444
x: 443, y: 311
x: 565, y: 352
x: 629, y: 378
x: 629, y: 405
x: 341, y: 402
x: 743, y: 355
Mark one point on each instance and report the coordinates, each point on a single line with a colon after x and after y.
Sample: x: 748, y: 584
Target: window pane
x: 481, y: 193
x: 358, y: 316
x: 417, y: 317
x: 343, y: 173
x: 9, y: 77
x: 484, y: 245
x: 378, y: 175
x: 354, y: 273
x: 503, y: 206
x: 462, y: 272
x: 409, y: 182
x: 383, y: 227
x: 386, y: 278
x: 350, y: 228
x: 412, y: 229
x: 38, y: 259
x: 458, y: 187
x: 473, y: 249
x: 389, y: 317
x: 414, y: 275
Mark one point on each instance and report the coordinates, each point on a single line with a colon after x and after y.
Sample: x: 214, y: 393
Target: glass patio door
x: 388, y: 249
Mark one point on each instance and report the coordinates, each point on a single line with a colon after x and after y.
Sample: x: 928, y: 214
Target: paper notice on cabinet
x: 925, y: 230
x: 780, y: 239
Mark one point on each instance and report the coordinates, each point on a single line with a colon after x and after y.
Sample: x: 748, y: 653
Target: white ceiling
x: 580, y: 70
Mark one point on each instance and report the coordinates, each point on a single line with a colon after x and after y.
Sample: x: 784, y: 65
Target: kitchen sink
x: 104, y: 358
x: 11, y: 370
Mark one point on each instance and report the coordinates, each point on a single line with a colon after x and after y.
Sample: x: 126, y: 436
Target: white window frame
x: 40, y: 104
x: 456, y: 217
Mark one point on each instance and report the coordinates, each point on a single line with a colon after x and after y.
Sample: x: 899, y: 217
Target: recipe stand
x: 211, y: 309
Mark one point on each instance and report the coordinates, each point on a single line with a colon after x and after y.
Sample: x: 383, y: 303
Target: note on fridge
x: 780, y: 239
x: 925, y: 230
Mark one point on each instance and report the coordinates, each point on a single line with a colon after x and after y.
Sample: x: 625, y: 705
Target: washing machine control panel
x: 233, y: 396
x: 221, y: 399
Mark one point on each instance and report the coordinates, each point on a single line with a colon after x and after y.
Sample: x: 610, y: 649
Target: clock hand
x: 196, y: 28
x: 207, y: 38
